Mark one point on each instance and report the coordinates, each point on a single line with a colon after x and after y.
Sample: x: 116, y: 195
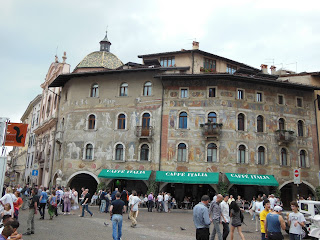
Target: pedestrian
x: 108, y: 200
x: 160, y: 200
x: 17, y: 205
x: 103, y: 201
x: 201, y: 218
x: 33, y: 206
x: 296, y: 222
x: 85, y: 203
x: 74, y: 200
x: 59, y: 194
x: 272, y: 201
x: 231, y: 199
x: 7, y: 210
x: 215, y: 214
x: 240, y: 203
x: 10, y: 198
x: 225, y: 216
x: 124, y: 196
x: 135, y: 202
x: 113, y: 194
x: 274, y: 223
x: 24, y: 195
x: 150, y: 202
x: 166, y: 202
x: 43, y: 202
x: 235, y: 213
x: 169, y: 202
x: 67, y: 196
x: 258, y: 209
x: 252, y: 208
x: 52, y: 208
x: 263, y: 217
x: 117, y: 208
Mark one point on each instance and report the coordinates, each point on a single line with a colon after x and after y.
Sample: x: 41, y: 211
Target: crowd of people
x: 266, y: 211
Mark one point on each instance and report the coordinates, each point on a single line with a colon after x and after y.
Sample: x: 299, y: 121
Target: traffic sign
x: 35, y: 166
x: 296, y: 176
x: 35, y: 172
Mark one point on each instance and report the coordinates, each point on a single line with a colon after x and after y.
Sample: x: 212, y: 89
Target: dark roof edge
x: 235, y: 77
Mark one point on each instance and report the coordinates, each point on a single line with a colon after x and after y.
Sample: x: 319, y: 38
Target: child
x: 7, y: 210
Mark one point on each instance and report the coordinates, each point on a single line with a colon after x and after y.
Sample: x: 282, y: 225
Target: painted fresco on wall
x: 74, y: 151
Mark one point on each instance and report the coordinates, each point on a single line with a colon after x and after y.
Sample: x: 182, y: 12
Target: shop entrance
x: 83, y: 180
x: 129, y: 185
x: 248, y: 191
x: 193, y: 192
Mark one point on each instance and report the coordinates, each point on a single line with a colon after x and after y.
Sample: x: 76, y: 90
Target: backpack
x: 241, y: 216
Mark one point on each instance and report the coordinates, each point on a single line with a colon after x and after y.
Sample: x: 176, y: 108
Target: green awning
x: 125, y: 174
x: 252, y: 179
x: 187, y: 177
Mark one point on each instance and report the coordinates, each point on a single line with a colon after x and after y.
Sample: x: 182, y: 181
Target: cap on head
x: 277, y: 209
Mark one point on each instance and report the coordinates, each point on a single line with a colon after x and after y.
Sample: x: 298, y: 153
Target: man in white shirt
x: 225, y: 216
x: 296, y: 221
x: 166, y: 202
x: 160, y: 201
x: 135, y: 201
x: 272, y: 201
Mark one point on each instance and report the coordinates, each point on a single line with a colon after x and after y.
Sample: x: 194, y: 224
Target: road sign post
x: 296, y: 176
x: 35, y: 172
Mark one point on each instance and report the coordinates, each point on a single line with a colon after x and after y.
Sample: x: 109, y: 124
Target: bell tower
x: 105, y: 44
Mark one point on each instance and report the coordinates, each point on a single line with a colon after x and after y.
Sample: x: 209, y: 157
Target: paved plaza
x: 150, y: 226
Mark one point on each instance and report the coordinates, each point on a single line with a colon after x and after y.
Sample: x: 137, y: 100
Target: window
x: 280, y: 99
x: 121, y: 121
x: 261, y: 155
x: 242, y: 154
x: 212, y: 92
x: 94, y: 90
x: 167, y: 62
x: 55, y: 101
x: 231, y: 69
x: 303, y: 158
x: 119, y: 152
x: 259, y: 123
x: 240, y: 94
x: 300, y: 128
x: 184, y: 93
x: 212, y: 153
x: 241, y: 122
x: 48, y: 106
x: 209, y: 64
x: 144, y: 152
x: 259, y: 97
x: 281, y: 124
x: 183, y: 117
x: 92, y: 122
x: 89, y: 152
x: 147, y: 89
x: 299, y: 102
x: 124, y: 90
x: 212, y: 117
x: 284, y: 160
x: 182, y: 152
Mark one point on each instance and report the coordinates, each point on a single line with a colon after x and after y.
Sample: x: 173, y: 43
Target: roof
x: 100, y: 59
x: 314, y: 74
x: 199, y: 52
x: 258, y: 79
x: 30, y: 106
x: 105, y: 38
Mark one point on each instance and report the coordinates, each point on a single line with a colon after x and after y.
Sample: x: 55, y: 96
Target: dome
x: 100, y: 59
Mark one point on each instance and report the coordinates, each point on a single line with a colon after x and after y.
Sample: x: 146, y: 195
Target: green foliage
x: 223, y: 188
x: 152, y: 187
x: 101, y: 185
x: 277, y: 192
x: 318, y: 193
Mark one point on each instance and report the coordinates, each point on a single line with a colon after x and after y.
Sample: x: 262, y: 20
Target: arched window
x: 261, y: 155
x: 144, y: 152
x: 212, y: 153
x: 92, y: 122
x: 48, y: 106
x: 147, y: 89
x: 94, y: 90
x: 300, y: 128
x: 182, y: 152
x: 183, y: 117
x: 241, y: 122
x: 121, y: 121
x: 124, y: 89
x: 303, y: 162
x: 281, y: 124
x: 242, y: 154
x: 119, y: 152
x: 284, y: 157
x: 212, y: 117
x: 89, y: 151
x: 259, y: 123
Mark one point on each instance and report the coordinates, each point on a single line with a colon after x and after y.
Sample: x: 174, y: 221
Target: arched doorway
x: 248, y: 191
x: 138, y: 185
x: 82, y: 179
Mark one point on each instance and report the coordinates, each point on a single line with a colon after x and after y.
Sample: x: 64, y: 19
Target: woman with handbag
x: 52, y: 205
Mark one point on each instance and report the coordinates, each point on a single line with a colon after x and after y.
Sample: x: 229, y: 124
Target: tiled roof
x: 101, y: 59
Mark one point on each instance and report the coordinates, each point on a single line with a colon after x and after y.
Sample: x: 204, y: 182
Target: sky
x: 284, y: 33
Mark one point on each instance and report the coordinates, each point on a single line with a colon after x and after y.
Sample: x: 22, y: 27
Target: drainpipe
x: 162, y: 103
x: 315, y: 112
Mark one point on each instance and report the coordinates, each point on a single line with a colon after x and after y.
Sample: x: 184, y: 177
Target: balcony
x: 144, y: 132
x: 211, y: 130
x: 284, y: 136
x: 59, y: 136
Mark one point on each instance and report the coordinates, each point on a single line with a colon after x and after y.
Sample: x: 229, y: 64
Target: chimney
x: 273, y: 70
x: 264, y: 68
x: 195, y: 45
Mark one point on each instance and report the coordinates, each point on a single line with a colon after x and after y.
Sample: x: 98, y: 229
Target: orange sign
x: 16, y: 134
